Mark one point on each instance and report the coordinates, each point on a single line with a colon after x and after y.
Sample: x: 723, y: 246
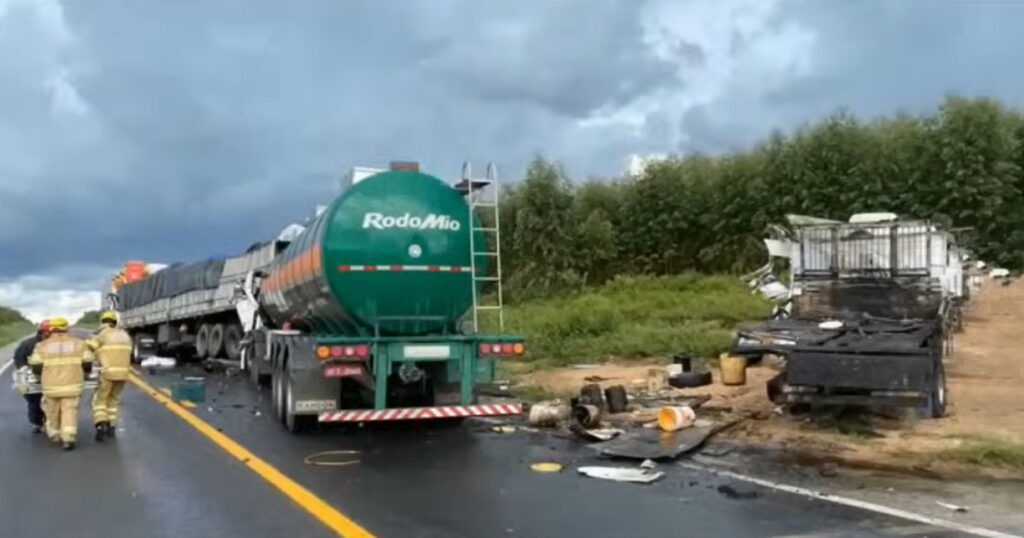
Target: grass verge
x: 635, y: 317
x: 11, y: 332
x: 987, y: 451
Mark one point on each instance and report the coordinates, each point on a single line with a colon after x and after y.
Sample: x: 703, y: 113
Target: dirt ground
x: 985, y: 379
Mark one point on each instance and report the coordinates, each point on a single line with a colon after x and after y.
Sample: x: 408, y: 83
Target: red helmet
x: 44, y: 326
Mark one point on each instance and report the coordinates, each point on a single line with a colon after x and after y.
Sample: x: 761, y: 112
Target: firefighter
x: 21, y: 355
x: 61, y: 362
x: 113, y: 349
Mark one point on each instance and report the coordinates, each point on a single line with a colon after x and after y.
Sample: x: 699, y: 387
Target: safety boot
x: 101, y: 432
x: 68, y: 447
x: 111, y: 430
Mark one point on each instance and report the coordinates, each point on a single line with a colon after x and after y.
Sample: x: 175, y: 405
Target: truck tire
x: 690, y: 379
x: 215, y: 344
x: 203, y: 341
x: 143, y: 345
x: 277, y: 394
x: 294, y: 423
x: 937, y: 398
x: 233, y: 342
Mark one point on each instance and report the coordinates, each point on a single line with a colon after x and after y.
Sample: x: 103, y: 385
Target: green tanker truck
x: 365, y: 314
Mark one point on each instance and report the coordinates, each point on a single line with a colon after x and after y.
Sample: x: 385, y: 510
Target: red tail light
x: 363, y: 350
x: 485, y: 349
x: 336, y: 351
x: 502, y: 348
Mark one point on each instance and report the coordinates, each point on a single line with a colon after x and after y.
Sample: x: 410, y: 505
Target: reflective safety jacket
x: 113, y: 350
x: 61, y: 357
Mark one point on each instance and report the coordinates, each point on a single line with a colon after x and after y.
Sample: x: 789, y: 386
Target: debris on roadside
x: 158, y: 363
x: 739, y: 494
x: 828, y: 470
x: 648, y: 464
x: 504, y: 428
x: 654, y: 445
x: 953, y: 507
x: 586, y: 416
x: 621, y: 474
x: 673, y: 418
x: 599, y: 434
x: 548, y: 414
x: 546, y: 467
x: 616, y: 398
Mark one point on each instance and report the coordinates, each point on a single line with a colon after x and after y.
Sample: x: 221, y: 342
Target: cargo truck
x: 867, y: 314
x: 372, y: 311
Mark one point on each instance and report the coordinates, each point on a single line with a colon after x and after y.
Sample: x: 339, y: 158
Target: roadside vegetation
x: 635, y: 317
x: 988, y: 451
x: 13, y: 326
x: 89, y: 320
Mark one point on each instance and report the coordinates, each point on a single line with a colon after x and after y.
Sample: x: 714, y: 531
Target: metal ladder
x: 483, y: 194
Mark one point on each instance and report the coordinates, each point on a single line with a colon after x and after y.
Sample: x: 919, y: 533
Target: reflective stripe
x: 114, y: 347
x: 115, y: 369
x: 62, y: 361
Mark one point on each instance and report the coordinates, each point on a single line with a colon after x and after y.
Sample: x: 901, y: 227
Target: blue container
x: 192, y: 389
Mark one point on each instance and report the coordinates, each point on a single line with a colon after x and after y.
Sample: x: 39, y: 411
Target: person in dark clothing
x: 21, y: 355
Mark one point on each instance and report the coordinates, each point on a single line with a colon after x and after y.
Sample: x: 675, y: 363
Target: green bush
x: 636, y: 317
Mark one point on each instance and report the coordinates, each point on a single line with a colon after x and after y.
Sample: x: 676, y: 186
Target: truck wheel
x: 215, y: 345
x: 937, y: 398
x: 292, y: 422
x: 233, y: 342
x: 277, y: 394
x: 142, y: 347
x: 203, y: 341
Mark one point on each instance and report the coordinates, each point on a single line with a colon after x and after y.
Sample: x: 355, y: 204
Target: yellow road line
x: 187, y: 404
x: 328, y: 515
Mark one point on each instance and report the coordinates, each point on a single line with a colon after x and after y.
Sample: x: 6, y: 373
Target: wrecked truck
x: 869, y: 308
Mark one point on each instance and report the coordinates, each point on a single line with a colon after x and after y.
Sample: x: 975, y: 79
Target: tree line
x: 961, y: 166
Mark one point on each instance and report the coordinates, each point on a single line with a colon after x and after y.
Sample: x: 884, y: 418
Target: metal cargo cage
x: 881, y: 250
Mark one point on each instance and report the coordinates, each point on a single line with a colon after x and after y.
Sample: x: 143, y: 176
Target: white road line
x: 6, y: 366
x: 863, y: 505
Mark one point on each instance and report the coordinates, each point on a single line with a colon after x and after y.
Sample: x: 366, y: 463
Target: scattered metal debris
x: 586, y: 416
x: 600, y: 434
x: 621, y: 474
x: 733, y: 493
x: 504, y: 428
x: 654, y: 445
x: 548, y: 414
x: 648, y: 464
x: 953, y: 507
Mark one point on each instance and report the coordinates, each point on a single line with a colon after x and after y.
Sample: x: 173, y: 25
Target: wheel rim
x: 941, y: 392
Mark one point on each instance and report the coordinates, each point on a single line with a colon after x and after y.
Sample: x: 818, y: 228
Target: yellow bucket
x: 672, y: 418
x: 734, y: 369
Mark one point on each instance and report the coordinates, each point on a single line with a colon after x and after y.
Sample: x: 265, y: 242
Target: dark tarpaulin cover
x: 171, y: 281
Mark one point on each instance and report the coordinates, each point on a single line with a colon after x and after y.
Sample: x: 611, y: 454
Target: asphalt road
x: 163, y: 477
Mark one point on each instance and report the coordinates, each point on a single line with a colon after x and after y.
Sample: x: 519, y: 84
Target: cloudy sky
x: 172, y: 130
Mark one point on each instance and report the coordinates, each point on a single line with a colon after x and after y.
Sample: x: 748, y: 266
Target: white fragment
x: 648, y: 464
x: 619, y: 474
x: 953, y: 507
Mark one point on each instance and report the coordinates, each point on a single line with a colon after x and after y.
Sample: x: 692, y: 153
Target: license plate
x: 316, y: 405
x: 343, y: 370
x: 428, y: 352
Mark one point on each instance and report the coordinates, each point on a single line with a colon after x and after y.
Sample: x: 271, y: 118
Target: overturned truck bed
x: 864, y: 361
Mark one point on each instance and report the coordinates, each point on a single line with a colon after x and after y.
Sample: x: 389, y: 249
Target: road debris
x: 158, y: 363
x: 600, y: 434
x: 548, y: 414
x: 673, y: 418
x: 648, y: 464
x: 504, y: 428
x: 546, y: 467
x: 953, y: 507
x: 654, y: 445
x: 616, y: 398
x: 733, y: 493
x: 586, y: 416
x: 621, y: 474
x: 329, y: 458
x: 591, y: 394
x: 595, y: 379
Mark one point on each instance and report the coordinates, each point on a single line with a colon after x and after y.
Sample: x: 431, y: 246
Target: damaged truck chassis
x: 872, y: 307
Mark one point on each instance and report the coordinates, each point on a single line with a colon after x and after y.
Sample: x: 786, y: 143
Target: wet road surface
x: 162, y: 477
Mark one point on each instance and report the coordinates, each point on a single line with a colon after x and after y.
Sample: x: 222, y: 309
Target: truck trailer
x: 362, y: 314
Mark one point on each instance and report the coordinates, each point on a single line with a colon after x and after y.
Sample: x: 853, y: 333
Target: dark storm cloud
x: 170, y: 130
